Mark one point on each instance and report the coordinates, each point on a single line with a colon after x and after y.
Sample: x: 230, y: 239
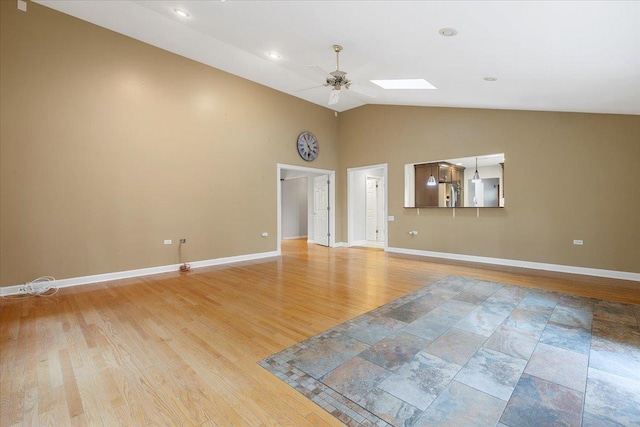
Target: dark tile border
x: 344, y: 409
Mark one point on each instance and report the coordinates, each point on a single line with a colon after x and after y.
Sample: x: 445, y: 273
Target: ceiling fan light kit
x: 334, y: 96
x: 338, y: 78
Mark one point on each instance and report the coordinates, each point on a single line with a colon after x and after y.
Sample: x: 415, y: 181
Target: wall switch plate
x: 391, y: 218
x: 265, y: 234
x: 578, y: 242
x: 168, y: 242
x: 22, y: 5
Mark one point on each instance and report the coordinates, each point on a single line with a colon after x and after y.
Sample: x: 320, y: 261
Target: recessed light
x: 273, y: 55
x: 181, y: 13
x: 404, y: 84
x: 490, y: 79
x: 447, y: 32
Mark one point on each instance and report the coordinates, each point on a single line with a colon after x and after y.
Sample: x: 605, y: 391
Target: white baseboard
x: 374, y: 244
x: 613, y: 274
x: 86, y: 280
x: 294, y: 237
x: 367, y: 244
x: 335, y: 245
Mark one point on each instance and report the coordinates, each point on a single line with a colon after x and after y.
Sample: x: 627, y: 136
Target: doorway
x: 484, y: 194
x: 320, y: 196
x: 367, y: 206
x: 295, y: 207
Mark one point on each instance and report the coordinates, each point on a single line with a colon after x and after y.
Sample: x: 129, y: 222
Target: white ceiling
x: 580, y: 56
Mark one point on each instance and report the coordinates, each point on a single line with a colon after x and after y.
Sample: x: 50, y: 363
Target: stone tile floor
x: 463, y: 352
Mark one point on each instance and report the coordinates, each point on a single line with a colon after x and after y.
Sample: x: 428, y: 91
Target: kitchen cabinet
x: 449, y: 191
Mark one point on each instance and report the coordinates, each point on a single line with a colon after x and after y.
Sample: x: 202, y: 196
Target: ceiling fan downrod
x: 338, y: 78
x: 337, y: 49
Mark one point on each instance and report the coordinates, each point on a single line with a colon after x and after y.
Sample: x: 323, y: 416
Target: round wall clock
x: 308, y: 146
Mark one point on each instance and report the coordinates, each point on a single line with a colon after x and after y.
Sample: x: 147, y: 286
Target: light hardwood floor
x: 181, y: 348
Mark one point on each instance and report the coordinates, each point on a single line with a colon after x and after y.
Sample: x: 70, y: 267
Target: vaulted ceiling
x: 579, y: 56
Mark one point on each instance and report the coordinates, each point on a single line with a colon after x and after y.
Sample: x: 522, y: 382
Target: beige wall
x: 567, y: 176
x: 108, y: 146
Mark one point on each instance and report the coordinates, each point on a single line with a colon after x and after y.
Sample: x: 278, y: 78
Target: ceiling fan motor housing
x: 338, y: 78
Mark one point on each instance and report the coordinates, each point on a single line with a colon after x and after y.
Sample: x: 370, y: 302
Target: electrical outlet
x: 168, y: 242
x: 22, y: 290
x: 578, y: 242
x: 183, y: 240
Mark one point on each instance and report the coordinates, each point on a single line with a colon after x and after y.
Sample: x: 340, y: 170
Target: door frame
x: 385, y: 206
x: 309, y: 173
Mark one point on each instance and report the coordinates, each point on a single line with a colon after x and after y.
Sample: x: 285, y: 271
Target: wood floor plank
x: 55, y: 373
x: 7, y: 398
x: 96, y: 405
x: 45, y: 399
x: 61, y: 407
x: 15, y: 408
x: 110, y: 389
x: 31, y: 415
x: 47, y: 419
x: 133, y: 397
x: 182, y: 348
x: 71, y: 392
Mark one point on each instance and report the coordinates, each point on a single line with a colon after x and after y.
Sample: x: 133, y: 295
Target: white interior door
x: 321, y: 210
x: 371, y: 204
x: 358, y: 210
x: 380, y: 194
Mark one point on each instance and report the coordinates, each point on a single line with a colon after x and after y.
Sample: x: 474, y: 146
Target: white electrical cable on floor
x: 41, y: 287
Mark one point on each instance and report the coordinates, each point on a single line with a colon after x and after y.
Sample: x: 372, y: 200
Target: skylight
x: 404, y: 84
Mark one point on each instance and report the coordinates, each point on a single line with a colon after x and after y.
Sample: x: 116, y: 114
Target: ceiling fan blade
x: 319, y: 70
x: 308, y: 88
x: 363, y: 90
x: 334, y: 96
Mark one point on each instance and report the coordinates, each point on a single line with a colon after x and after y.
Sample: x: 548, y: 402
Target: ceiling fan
x: 338, y: 79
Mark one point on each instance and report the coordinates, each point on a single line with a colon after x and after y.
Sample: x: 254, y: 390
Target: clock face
x: 308, y: 146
